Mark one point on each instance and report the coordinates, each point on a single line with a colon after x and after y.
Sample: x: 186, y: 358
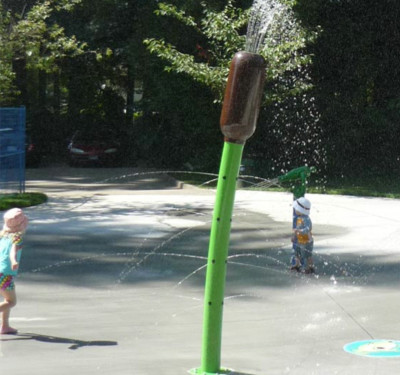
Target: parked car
x: 90, y: 147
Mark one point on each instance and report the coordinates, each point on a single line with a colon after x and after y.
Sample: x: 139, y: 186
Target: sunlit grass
x: 385, y: 187
x: 21, y: 200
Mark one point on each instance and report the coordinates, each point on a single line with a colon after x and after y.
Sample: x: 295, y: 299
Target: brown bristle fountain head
x: 243, y: 96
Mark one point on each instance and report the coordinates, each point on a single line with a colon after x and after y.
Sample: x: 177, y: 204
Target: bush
x: 21, y: 200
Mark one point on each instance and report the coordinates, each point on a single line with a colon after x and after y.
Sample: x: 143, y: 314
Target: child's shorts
x: 304, y: 251
x: 6, y: 282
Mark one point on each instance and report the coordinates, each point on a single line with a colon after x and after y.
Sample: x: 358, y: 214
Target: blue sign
x: 374, y: 348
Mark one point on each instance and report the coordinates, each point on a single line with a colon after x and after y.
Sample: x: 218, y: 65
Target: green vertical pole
x: 217, y: 257
x: 238, y: 121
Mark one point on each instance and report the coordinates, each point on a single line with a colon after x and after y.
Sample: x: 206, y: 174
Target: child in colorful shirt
x: 303, y: 242
x: 11, y: 239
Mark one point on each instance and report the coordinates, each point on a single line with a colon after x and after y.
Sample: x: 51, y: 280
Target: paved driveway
x: 112, y: 281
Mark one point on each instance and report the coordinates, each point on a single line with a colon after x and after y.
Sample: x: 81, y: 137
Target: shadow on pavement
x: 75, y: 344
x: 64, y: 179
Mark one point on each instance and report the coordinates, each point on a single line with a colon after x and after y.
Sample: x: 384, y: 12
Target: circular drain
x: 374, y: 348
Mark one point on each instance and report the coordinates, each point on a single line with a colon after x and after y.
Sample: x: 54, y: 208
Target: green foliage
x: 184, y: 63
x: 222, y: 30
x: 7, y: 88
x: 223, y: 33
x: 356, y: 66
x: 8, y: 201
x: 42, y: 42
x: 118, y: 63
x: 332, y: 87
x: 171, y: 10
x: 219, y: 30
x: 174, y: 131
x: 32, y: 36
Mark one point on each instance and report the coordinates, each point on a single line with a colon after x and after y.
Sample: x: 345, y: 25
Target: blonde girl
x: 11, y: 240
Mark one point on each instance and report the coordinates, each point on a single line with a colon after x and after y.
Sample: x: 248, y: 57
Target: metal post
x: 217, y: 257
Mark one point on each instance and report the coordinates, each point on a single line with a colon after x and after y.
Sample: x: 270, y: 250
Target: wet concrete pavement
x: 112, y: 281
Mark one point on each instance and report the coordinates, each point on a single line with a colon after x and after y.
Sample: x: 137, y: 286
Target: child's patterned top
x: 303, y: 226
x: 7, y: 240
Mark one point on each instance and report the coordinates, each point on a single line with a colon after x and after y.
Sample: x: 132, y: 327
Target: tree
x: 7, y: 76
x: 356, y: 69
x: 116, y: 30
x: 219, y: 30
x: 223, y: 33
x: 34, y: 46
x: 33, y: 42
x: 288, y: 104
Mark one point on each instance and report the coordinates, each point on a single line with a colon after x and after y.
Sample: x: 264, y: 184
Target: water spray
x: 239, y: 115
